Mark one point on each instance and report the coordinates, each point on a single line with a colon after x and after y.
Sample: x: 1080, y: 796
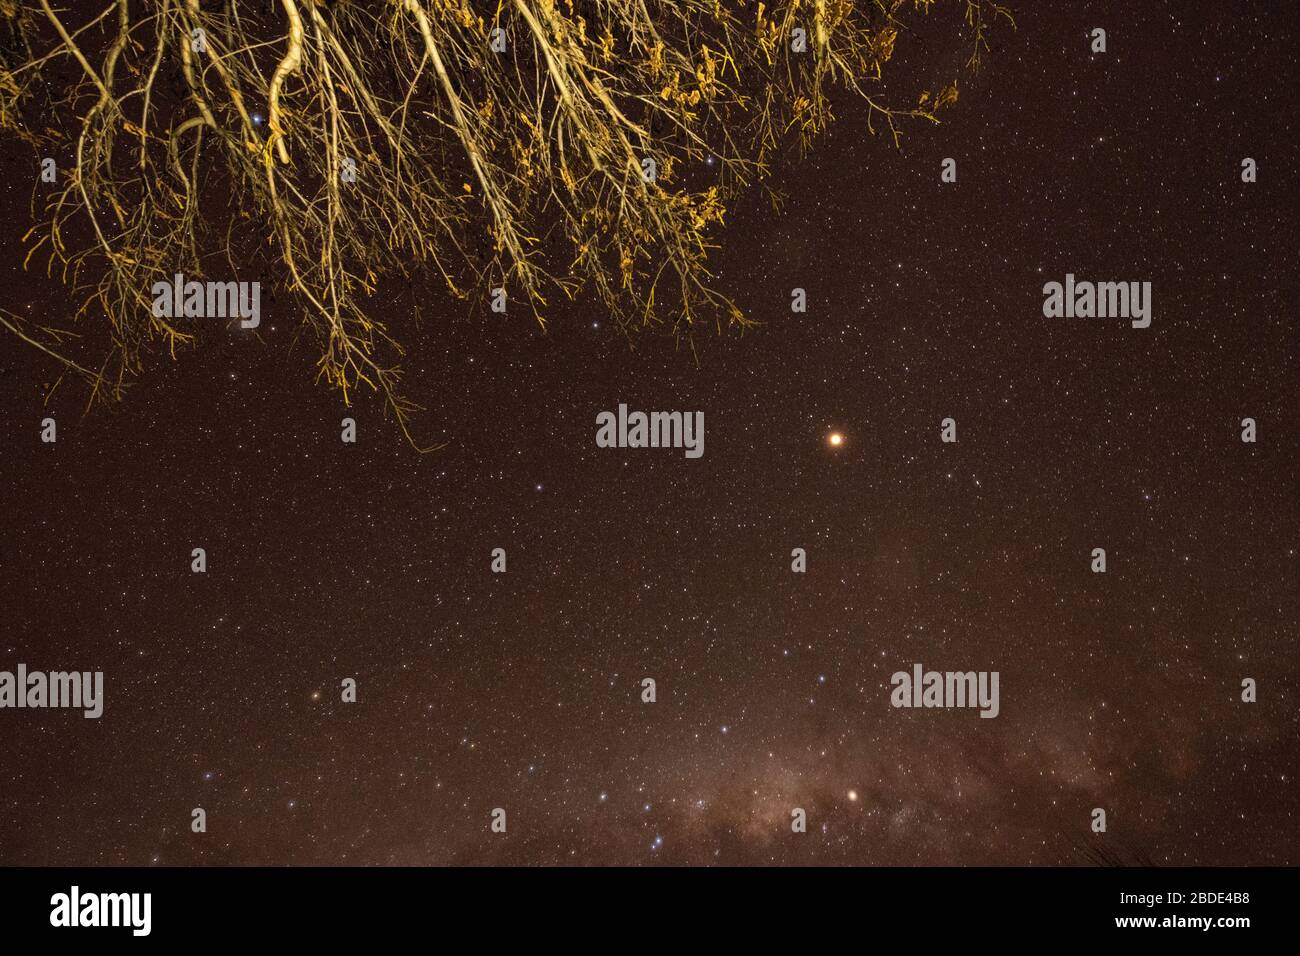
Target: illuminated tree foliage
x: 197, y: 133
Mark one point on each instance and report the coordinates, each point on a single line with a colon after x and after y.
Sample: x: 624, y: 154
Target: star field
x: 522, y: 690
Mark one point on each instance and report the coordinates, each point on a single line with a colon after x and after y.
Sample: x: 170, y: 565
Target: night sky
x: 523, y: 690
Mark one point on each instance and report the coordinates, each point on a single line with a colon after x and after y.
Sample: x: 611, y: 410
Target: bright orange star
x: 835, y: 439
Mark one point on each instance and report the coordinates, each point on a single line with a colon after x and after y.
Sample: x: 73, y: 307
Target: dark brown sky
x: 522, y: 690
